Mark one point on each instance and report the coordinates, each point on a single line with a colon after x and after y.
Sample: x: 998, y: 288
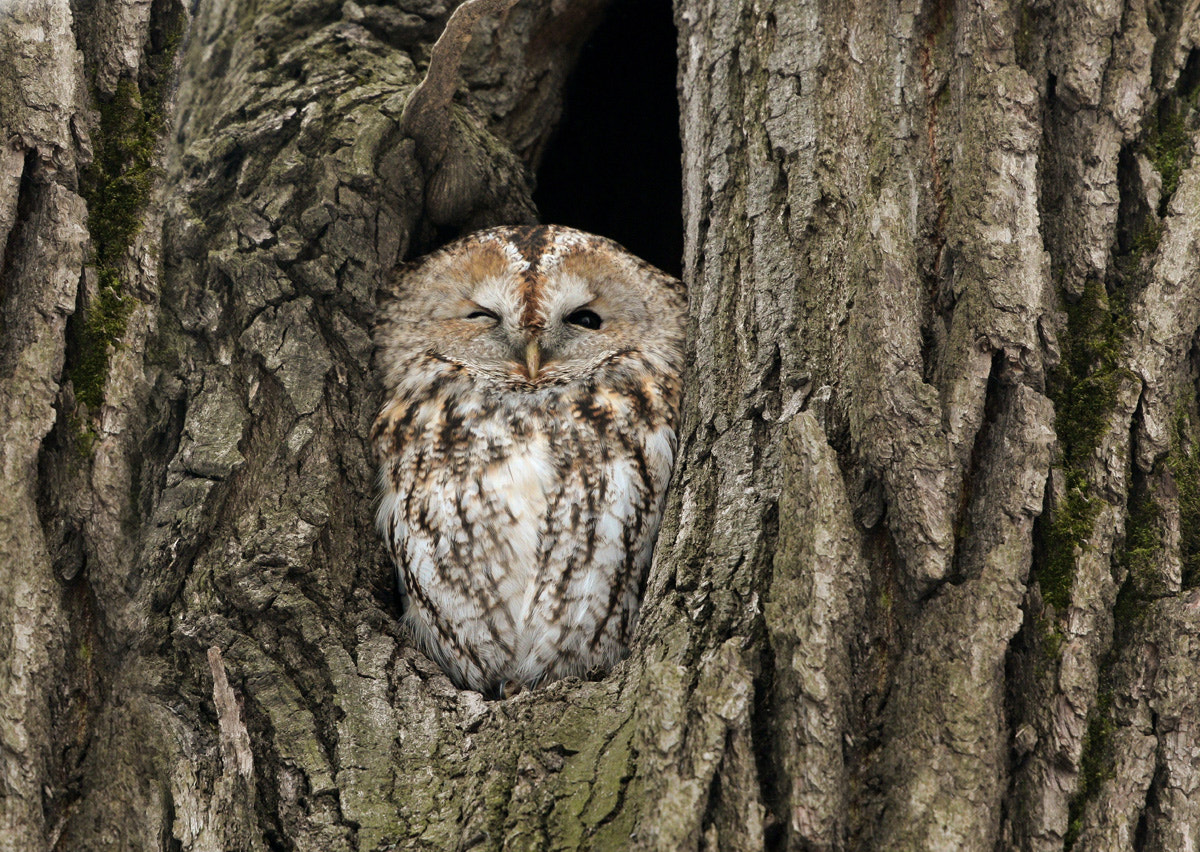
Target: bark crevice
x: 927, y: 573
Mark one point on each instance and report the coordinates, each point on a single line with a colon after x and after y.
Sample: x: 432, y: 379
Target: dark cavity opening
x: 613, y: 166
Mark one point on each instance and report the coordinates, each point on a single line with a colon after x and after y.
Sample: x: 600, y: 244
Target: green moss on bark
x: 1183, y: 462
x: 1169, y: 150
x: 1066, y: 534
x: 1168, y: 141
x: 1084, y: 389
x: 1143, y: 536
x: 117, y: 184
x: 103, y: 326
x: 1095, y: 763
x: 116, y: 187
x: 1143, y: 541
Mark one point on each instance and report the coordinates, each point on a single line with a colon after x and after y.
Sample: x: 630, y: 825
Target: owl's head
x: 532, y: 307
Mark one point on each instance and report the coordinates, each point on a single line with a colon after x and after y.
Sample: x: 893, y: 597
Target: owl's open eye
x: 585, y: 319
x: 483, y: 313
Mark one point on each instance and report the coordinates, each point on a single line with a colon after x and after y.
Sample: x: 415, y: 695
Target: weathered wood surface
x: 929, y: 572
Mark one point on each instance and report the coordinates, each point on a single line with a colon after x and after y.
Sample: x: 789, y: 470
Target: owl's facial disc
x: 533, y: 341
x: 535, y: 309
x: 509, y: 345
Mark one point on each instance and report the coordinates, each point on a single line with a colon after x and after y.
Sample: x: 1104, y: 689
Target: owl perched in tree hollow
x: 532, y: 379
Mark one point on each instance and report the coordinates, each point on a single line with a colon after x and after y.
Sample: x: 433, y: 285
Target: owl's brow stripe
x: 531, y: 243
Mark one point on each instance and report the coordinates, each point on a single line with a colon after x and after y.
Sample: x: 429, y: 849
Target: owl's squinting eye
x: 483, y: 313
x: 585, y: 319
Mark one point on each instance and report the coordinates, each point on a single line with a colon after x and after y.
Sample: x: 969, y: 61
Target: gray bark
x: 949, y: 222
x: 928, y: 577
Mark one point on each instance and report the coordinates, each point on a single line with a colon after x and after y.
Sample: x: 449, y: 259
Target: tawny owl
x: 533, y: 379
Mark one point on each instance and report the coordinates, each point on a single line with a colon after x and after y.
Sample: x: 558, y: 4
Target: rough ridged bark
x: 947, y: 225
x: 41, y: 230
x: 928, y: 573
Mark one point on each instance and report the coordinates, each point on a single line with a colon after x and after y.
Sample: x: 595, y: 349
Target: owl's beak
x: 533, y: 357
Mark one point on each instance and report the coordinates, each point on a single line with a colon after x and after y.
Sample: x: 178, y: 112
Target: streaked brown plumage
x: 533, y: 378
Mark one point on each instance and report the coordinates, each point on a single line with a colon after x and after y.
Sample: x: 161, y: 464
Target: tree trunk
x: 929, y: 576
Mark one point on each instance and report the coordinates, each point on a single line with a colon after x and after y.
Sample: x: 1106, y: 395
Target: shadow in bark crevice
x: 613, y: 167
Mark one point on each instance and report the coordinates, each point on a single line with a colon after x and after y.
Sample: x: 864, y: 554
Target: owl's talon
x: 510, y: 689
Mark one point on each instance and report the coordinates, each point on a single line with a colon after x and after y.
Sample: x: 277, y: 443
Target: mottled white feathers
x: 526, y: 440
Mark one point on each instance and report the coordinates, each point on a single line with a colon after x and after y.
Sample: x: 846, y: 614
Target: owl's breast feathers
x: 522, y: 522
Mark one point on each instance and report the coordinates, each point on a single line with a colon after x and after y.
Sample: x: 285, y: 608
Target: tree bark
x: 929, y: 576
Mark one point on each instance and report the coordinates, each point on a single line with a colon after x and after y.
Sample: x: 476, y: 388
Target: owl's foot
x: 509, y: 689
